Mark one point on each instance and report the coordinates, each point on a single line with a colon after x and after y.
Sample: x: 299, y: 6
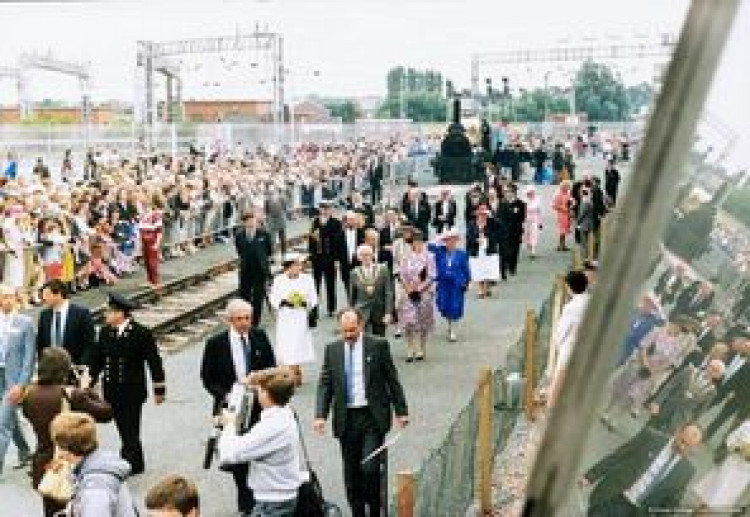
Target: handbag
x: 310, y: 501
x: 57, y: 482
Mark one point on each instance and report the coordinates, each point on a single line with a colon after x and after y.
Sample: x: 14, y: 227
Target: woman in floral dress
x: 416, y: 310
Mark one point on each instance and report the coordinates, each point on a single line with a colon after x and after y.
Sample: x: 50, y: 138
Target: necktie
x: 247, y: 349
x: 349, y: 373
x: 57, y: 329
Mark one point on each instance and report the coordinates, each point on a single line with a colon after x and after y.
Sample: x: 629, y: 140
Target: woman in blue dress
x: 453, y: 277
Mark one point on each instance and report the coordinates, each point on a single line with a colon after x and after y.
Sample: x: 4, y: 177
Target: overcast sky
x: 352, y: 43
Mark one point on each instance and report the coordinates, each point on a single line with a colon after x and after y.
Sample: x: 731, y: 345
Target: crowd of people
x: 678, y: 395
x: 398, y: 262
x: 92, y: 228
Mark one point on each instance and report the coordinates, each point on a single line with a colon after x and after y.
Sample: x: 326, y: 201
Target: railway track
x: 188, y: 308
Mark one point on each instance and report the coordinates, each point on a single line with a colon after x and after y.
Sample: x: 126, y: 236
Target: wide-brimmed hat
x: 291, y: 257
x: 451, y: 233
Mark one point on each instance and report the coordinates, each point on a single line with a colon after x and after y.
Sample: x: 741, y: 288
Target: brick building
x: 227, y: 110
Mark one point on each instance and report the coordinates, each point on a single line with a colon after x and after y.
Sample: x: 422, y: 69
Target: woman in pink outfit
x: 563, y: 204
x: 533, y: 221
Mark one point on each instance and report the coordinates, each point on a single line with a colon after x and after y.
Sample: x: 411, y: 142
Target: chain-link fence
x: 447, y: 481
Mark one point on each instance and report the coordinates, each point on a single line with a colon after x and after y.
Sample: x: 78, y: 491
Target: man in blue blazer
x: 16, y: 366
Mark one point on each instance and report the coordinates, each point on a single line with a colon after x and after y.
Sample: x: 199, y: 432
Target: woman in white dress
x: 482, y: 246
x: 13, y: 274
x: 293, y: 296
x: 723, y: 486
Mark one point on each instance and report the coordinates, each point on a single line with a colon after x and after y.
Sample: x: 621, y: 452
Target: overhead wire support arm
x: 647, y: 205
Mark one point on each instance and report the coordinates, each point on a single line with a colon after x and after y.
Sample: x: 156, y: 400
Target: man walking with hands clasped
x: 360, y: 381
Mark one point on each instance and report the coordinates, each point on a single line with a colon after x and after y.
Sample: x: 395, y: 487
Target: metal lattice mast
x: 640, y: 48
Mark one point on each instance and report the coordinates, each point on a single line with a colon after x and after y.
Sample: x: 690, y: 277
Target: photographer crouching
x: 271, y: 446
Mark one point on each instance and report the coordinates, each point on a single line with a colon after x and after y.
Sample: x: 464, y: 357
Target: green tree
x: 530, y: 105
x: 347, y: 110
x: 418, y: 106
x: 640, y: 96
x: 600, y: 94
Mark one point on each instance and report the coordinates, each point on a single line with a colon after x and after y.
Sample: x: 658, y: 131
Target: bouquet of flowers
x: 297, y: 300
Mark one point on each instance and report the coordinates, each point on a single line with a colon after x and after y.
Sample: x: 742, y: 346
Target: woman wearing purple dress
x: 453, y: 277
x: 416, y: 308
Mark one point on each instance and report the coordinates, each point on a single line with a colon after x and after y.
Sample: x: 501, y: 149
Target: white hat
x: 448, y: 234
x: 293, y: 256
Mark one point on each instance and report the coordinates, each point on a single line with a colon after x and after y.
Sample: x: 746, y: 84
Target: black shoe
x: 419, y: 358
x: 409, y: 359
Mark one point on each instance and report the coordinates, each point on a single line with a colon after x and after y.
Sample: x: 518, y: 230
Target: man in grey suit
x: 371, y: 291
x: 359, y: 382
x: 16, y: 366
x: 275, y: 209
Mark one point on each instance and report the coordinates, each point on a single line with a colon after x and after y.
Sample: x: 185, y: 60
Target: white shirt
x: 63, y: 311
x: 567, y: 327
x: 6, y: 322
x: 121, y: 327
x: 272, y: 448
x: 351, y: 242
x: 238, y: 353
x: 737, y: 362
x: 636, y: 492
x: 358, y: 367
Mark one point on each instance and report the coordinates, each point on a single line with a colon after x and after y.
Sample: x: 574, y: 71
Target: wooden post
x: 529, y: 381
x: 603, y: 234
x: 557, y: 304
x: 484, y: 441
x: 577, y: 260
x: 591, y: 245
x: 405, y: 493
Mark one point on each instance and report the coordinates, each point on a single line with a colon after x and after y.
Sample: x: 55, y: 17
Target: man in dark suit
x: 64, y: 324
x: 416, y: 209
x: 389, y: 231
x: 124, y: 350
x: 734, y: 390
x: 670, y: 283
x: 694, y: 300
x: 357, y: 205
x: 230, y: 357
x: 375, y: 178
x: 325, y: 243
x: 510, y: 219
x: 254, y: 248
x: 353, y: 236
x: 445, y: 212
x: 360, y: 381
x: 650, y: 472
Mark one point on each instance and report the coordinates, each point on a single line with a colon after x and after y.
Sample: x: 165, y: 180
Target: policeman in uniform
x: 326, y: 247
x: 123, y: 351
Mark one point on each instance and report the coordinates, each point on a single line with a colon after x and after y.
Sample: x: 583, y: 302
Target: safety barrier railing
x: 459, y: 471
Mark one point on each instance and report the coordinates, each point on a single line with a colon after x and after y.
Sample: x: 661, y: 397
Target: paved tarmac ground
x: 174, y: 434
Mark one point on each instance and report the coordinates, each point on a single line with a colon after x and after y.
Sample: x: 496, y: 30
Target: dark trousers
x: 361, y: 436
x: 509, y: 259
x: 346, y: 274
x: 281, y: 233
x: 127, y: 417
x: 615, y: 507
x: 245, y: 498
x: 376, y: 193
x: 376, y: 328
x: 326, y: 270
x: 253, y: 292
